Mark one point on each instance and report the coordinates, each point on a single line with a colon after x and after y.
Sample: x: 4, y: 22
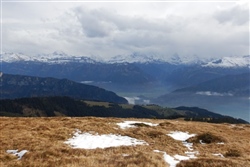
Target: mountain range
x: 218, y: 85
x: 229, y: 85
x: 132, y: 70
x: 61, y: 57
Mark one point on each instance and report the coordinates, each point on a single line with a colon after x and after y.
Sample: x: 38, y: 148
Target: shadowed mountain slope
x: 17, y: 86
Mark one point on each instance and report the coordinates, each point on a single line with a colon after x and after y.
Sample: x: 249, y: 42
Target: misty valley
x: 234, y: 106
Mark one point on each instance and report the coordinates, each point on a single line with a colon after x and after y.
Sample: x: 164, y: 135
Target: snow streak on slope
x: 180, y: 136
x: 130, y: 124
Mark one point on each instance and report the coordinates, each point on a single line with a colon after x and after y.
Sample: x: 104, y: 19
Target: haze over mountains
x: 229, y: 85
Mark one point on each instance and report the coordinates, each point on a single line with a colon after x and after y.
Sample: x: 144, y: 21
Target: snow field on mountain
x: 227, y: 62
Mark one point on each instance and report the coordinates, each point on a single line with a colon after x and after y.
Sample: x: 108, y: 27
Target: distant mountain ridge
x: 231, y: 85
x: 58, y: 57
x: 134, y: 69
x: 81, y: 72
x: 16, y: 86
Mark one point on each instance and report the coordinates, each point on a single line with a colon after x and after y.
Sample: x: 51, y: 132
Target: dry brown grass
x: 44, y: 139
x: 203, y: 162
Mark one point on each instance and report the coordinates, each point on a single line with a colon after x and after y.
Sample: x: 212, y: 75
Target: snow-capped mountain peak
x: 230, y: 62
x: 135, y: 58
x: 13, y: 57
x: 61, y: 57
x: 55, y: 57
x: 175, y: 59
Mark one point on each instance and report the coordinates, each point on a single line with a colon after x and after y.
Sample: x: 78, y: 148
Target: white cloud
x: 131, y: 100
x: 207, y: 29
x: 209, y: 93
x: 237, y: 15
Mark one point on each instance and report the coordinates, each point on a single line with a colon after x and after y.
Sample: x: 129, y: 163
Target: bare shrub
x: 232, y: 153
x: 140, y: 125
x: 165, y: 124
x: 155, y: 134
x: 206, y: 138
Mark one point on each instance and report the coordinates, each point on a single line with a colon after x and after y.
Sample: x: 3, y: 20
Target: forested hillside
x: 17, y: 86
x: 66, y: 106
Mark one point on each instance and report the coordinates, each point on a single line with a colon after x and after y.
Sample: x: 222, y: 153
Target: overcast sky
x: 205, y: 29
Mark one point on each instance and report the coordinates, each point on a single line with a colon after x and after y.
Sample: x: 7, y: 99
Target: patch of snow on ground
x: 188, y: 145
x: 219, y: 155
x: 181, y: 157
x: 129, y: 124
x: 172, y: 161
x: 18, y: 154
x: 191, y: 154
x: 90, y: 141
x: 168, y: 159
x: 125, y: 155
x: 180, y: 136
x: 201, y: 142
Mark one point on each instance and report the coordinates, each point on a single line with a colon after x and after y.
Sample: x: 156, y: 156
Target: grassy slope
x: 44, y: 139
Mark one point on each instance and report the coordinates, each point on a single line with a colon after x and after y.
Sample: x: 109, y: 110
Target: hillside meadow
x: 215, y: 145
